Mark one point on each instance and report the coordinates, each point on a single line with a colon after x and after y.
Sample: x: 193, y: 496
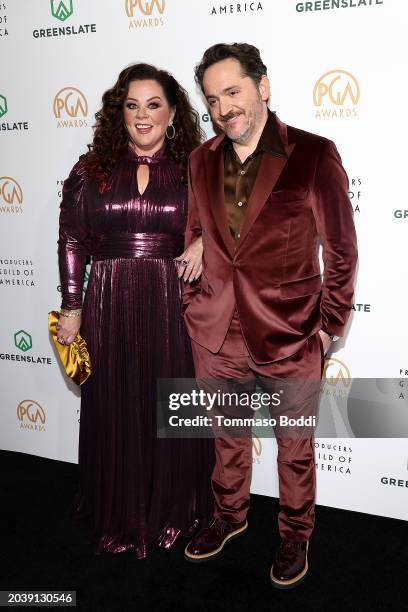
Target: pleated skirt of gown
x: 135, y: 488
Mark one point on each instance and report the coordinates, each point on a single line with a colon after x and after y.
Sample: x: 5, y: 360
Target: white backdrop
x: 336, y: 68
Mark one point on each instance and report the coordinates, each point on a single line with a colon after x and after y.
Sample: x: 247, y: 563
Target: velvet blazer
x: 272, y: 277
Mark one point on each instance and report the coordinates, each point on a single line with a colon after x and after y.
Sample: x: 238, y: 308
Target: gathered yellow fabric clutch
x: 74, y: 357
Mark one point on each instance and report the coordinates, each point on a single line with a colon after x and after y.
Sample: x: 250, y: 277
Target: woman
x: 124, y: 204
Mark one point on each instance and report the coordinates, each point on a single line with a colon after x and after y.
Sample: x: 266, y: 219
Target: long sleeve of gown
x: 73, y: 248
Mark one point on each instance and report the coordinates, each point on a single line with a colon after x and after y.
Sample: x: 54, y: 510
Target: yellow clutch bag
x: 74, y: 357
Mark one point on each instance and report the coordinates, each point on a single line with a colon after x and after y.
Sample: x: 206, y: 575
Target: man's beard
x: 244, y: 136
x: 250, y: 127
x: 240, y: 137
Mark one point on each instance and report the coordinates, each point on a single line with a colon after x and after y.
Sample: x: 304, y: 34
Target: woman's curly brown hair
x: 111, y: 137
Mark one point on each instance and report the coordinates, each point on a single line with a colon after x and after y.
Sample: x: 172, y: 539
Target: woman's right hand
x: 68, y: 327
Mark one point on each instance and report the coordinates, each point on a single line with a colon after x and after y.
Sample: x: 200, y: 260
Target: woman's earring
x: 170, y: 137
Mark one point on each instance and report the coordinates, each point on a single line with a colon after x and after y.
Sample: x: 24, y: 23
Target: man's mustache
x: 229, y: 116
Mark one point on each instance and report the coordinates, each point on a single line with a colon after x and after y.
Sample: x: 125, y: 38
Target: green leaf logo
x: 3, y: 106
x: 61, y: 9
x: 23, y: 340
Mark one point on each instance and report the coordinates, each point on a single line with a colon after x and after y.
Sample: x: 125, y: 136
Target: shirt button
x: 238, y: 235
x: 242, y: 172
x: 240, y: 204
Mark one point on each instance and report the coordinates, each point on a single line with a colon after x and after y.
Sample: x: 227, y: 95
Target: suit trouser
x: 231, y: 476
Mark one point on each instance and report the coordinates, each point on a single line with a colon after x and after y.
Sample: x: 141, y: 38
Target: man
x: 261, y: 194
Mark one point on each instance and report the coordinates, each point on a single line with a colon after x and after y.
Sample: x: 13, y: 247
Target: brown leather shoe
x: 210, y: 541
x: 290, y: 565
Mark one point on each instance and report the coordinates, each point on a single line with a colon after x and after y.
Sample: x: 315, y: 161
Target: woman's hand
x: 190, y: 262
x: 68, y: 327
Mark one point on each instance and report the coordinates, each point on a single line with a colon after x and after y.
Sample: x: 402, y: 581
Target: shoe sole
x: 293, y: 582
x: 212, y: 555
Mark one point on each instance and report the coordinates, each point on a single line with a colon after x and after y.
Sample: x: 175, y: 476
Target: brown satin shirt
x: 239, y: 178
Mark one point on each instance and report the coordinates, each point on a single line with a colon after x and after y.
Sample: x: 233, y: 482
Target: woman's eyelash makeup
x: 153, y: 105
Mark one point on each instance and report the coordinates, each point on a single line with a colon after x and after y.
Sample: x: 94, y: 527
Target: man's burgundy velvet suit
x: 264, y: 295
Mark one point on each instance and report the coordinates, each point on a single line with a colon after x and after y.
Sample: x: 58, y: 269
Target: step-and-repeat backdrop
x: 337, y: 68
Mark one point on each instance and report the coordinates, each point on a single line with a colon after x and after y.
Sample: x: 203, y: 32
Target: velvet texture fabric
x: 273, y: 277
x: 260, y: 303
x: 231, y: 478
x: 134, y: 488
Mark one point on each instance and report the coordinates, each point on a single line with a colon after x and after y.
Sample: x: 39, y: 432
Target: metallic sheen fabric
x: 74, y: 357
x: 134, y: 488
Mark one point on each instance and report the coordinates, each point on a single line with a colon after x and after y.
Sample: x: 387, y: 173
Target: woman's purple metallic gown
x: 136, y: 489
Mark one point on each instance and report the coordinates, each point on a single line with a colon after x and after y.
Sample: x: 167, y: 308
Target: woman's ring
x: 61, y: 340
x: 185, y: 262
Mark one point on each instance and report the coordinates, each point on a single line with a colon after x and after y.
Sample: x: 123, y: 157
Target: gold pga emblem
x: 10, y: 190
x: 145, y: 6
x: 256, y: 445
x: 336, y: 373
x: 70, y: 101
x: 31, y: 411
x: 337, y: 87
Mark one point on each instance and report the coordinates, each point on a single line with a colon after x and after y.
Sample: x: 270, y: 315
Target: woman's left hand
x: 190, y: 262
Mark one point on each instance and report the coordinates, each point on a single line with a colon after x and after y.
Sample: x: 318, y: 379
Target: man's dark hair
x: 247, y: 55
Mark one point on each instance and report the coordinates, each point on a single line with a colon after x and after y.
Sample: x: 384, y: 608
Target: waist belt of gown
x: 143, y: 245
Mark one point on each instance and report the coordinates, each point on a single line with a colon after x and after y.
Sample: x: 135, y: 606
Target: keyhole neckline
x: 147, y: 160
x: 138, y: 183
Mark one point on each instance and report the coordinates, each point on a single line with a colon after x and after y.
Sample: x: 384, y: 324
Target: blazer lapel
x: 269, y: 171
x: 214, y: 172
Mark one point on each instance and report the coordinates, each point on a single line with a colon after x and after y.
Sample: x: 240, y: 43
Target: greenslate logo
x: 23, y: 340
x: 62, y: 9
x: 3, y: 106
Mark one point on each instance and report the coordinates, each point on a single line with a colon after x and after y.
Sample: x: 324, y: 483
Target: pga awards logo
x: 256, y: 448
x: 336, y: 378
x: 70, y: 108
x: 336, y: 95
x: 11, y: 196
x: 145, y: 13
x: 31, y: 415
